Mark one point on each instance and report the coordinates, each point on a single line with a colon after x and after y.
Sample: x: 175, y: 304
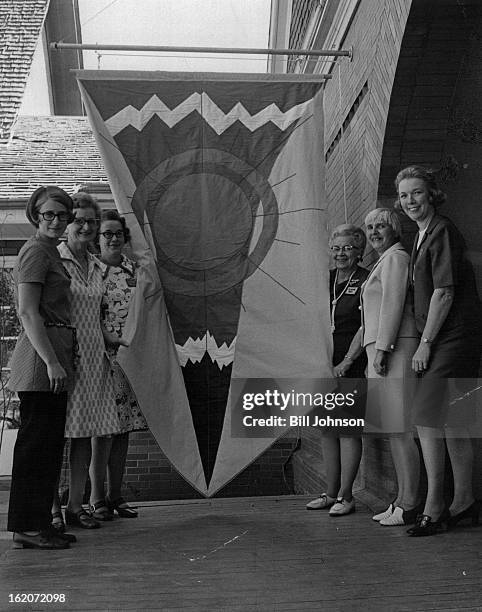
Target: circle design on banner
x: 204, y: 250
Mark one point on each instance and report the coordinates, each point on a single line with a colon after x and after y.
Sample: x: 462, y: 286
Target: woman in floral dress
x: 119, y: 286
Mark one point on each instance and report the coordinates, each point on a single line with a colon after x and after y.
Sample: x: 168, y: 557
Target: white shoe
x: 342, y: 507
x: 396, y: 518
x: 321, y: 503
x: 384, y: 515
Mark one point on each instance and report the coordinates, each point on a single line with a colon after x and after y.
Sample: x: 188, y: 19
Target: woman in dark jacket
x: 447, y: 314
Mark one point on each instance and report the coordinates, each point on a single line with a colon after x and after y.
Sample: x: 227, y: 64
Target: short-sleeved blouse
x: 39, y: 262
x: 119, y: 286
x: 91, y: 409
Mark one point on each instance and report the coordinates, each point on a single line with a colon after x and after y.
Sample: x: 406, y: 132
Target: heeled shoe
x: 400, y: 517
x: 67, y: 537
x: 80, y: 519
x: 471, y: 512
x: 424, y: 525
x: 100, y: 511
x: 44, y: 540
x: 122, y: 508
x: 342, y: 507
x: 385, y: 514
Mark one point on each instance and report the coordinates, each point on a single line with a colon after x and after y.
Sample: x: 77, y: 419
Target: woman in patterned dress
x: 119, y: 286
x: 91, y: 410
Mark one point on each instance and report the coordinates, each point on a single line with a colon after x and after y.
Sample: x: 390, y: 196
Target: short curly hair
x: 388, y: 216
x: 437, y: 196
x: 82, y: 199
x: 112, y: 215
x: 352, y: 231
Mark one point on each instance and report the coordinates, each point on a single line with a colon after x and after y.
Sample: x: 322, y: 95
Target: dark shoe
x: 471, y: 512
x: 81, y: 519
x: 121, y: 507
x: 67, y: 537
x: 43, y: 540
x: 424, y: 525
x: 100, y: 511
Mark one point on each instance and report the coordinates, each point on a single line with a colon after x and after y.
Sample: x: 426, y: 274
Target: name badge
x: 351, y: 290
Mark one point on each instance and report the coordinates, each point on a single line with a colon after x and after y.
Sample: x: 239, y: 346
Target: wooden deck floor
x: 249, y: 554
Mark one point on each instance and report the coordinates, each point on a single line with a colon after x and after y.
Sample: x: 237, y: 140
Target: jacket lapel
x: 416, y: 251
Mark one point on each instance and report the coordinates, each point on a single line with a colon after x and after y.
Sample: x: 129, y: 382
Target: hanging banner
x: 221, y: 180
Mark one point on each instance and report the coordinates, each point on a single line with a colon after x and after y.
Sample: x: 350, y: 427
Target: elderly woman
x: 447, y: 314
x: 390, y: 338
x: 91, y: 410
x: 342, y: 454
x: 41, y: 371
x: 120, y: 277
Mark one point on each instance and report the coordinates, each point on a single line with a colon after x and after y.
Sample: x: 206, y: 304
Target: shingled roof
x: 49, y: 150
x: 20, y: 25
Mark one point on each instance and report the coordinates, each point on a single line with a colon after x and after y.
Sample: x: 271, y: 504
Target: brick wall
x: 150, y: 476
x: 354, y: 133
x: 411, y: 95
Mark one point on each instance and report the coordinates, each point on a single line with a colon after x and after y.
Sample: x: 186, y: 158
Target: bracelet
x: 347, y: 358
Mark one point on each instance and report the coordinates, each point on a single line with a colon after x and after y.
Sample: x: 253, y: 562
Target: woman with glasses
x: 342, y: 453
x: 390, y: 338
x: 91, y: 410
x: 41, y: 371
x: 120, y: 278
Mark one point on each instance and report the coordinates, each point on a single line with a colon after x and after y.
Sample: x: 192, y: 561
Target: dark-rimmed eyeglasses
x: 108, y: 235
x: 348, y: 248
x: 81, y: 221
x: 49, y: 215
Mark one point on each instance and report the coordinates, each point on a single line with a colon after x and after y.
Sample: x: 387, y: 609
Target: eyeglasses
x: 348, y: 248
x: 49, y: 215
x: 81, y: 221
x: 108, y: 235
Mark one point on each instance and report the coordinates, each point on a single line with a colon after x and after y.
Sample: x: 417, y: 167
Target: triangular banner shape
x: 221, y: 180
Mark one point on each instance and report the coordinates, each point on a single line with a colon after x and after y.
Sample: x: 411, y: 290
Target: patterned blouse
x: 119, y: 287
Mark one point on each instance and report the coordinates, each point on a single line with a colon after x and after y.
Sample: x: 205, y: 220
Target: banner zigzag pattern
x: 210, y: 112
x: 194, y: 350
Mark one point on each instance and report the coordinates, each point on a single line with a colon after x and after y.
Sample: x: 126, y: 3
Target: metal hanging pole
x: 242, y: 51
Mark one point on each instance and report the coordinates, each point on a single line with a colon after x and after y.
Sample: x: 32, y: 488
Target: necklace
x: 336, y: 298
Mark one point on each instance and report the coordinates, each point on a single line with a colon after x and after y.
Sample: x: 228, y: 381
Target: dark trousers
x: 37, y: 460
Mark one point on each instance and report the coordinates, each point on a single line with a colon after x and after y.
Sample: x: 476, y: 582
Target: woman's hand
x: 421, y: 357
x: 57, y: 376
x: 380, y: 363
x: 342, y: 368
x: 112, y: 339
